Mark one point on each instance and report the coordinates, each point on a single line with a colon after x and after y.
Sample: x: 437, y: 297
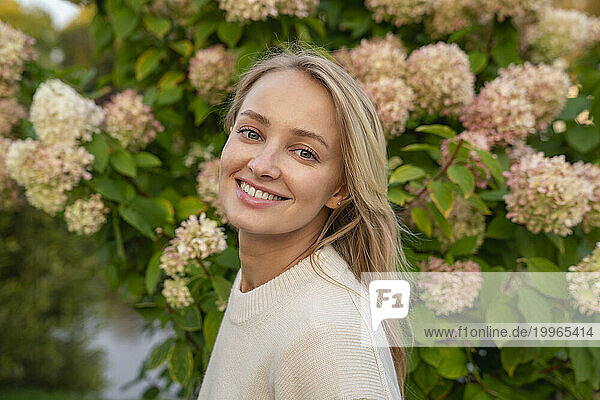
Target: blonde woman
x: 303, y: 133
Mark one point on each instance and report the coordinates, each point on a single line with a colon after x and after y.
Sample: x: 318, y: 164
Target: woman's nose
x: 265, y: 162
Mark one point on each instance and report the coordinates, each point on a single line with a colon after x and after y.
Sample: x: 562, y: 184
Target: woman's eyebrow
x: 295, y: 131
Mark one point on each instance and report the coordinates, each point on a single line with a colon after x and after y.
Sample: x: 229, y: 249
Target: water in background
x: 118, y: 331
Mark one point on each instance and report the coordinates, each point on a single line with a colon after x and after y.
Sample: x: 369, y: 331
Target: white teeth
x: 258, y: 193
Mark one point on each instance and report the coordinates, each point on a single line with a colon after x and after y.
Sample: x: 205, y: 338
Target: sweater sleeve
x: 328, y: 362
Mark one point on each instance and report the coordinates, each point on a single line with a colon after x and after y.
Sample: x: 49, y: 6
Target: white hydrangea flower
x: 584, y: 283
x: 86, y: 216
x: 176, y: 293
x: 61, y: 115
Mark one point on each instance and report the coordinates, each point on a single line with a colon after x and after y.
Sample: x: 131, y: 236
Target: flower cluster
x: 399, y: 12
x: 11, y: 112
x: 379, y: 64
x: 9, y: 191
x: 449, y: 293
x: 16, y: 49
x: 130, y: 121
x: 177, y: 10
x: 61, y: 115
x: 465, y: 220
x: 196, y: 238
x: 522, y: 11
x: 584, y: 283
x: 211, y: 72
x: 86, y: 216
x: 393, y: 99
x: 546, y: 194
x: 208, y: 185
x: 560, y: 32
x: 47, y: 171
x: 260, y: 10
x: 476, y: 140
x: 523, y: 99
x: 449, y: 16
x: 176, y: 293
x: 373, y: 59
x: 441, y: 77
x: 591, y: 173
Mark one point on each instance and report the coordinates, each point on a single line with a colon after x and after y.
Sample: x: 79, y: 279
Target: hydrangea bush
x: 490, y: 110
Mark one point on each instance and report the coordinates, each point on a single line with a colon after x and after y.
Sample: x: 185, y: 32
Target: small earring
x: 339, y: 203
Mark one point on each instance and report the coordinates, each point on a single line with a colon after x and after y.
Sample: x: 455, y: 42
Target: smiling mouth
x: 239, y: 183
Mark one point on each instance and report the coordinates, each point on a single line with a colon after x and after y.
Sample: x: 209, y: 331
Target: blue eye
x: 313, y: 154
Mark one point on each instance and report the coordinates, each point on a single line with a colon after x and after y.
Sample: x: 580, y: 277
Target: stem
x: 475, y: 372
x: 137, y: 188
x: 439, y: 173
x: 118, y: 237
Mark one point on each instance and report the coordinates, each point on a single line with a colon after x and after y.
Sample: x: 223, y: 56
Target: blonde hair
x: 364, y: 229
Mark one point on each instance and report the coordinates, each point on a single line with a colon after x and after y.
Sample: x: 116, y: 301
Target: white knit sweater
x: 298, y: 336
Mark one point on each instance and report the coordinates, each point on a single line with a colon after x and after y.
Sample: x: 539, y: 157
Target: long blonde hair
x: 364, y: 230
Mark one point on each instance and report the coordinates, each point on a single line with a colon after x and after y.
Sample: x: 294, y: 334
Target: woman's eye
x: 251, y: 132
x: 309, y: 152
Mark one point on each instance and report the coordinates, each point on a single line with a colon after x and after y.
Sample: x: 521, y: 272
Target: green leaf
x: 171, y: 79
x: 453, y: 363
x: 230, y: 32
x: 558, y: 241
x: 582, y: 363
x: 436, y: 129
x: 123, y: 162
x: 426, y: 377
x: 398, y: 196
x: 431, y: 355
x: 422, y: 220
x: 551, y: 285
x: 137, y: 220
x: 113, y: 190
x: 160, y: 354
x: 492, y: 164
x: 159, y: 27
x: 317, y: 25
x: 479, y: 204
x: 573, y: 107
x: 474, y: 391
x: 201, y: 110
x: 442, y: 196
x: 153, y: 272
x: 183, y: 47
x: 189, y: 205
x: 406, y: 173
x: 510, y: 357
x: 153, y: 209
x: 169, y: 96
x: 221, y: 286
x: 505, y: 50
x: 500, y: 228
x: 101, y: 32
x: 203, y: 30
x: 441, y: 221
x: 124, y: 22
x: 146, y: 160
x: 99, y: 149
x: 463, y: 246
x: 189, y: 318
x: 212, y: 321
x: 478, y: 61
x: 583, y: 138
x: 533, y: 305
x: 147, y: 62
x: 420, y: 147
x: 182, y: 363
x: 463, y: 178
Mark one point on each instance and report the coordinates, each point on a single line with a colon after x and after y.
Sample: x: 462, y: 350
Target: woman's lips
x: 253, y: 202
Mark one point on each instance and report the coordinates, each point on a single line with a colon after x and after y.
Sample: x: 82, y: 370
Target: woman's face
x: 269, y: 147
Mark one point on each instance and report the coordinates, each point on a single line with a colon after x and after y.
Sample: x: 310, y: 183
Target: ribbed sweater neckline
x: 243, y: 307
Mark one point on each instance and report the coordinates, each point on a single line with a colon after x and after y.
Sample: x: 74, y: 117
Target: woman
x: 304, y: 133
